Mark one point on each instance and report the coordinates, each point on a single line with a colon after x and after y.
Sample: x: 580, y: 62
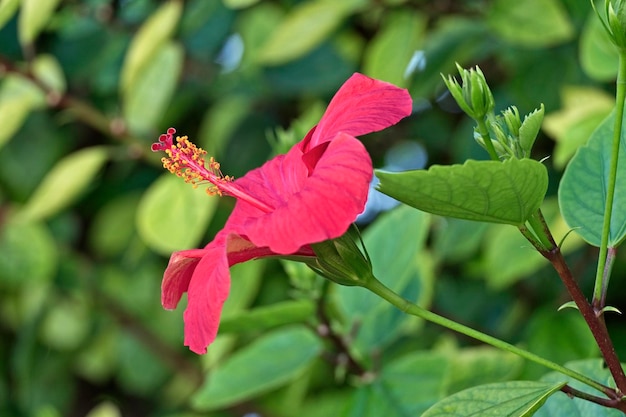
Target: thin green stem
x: 538, y: 226
x: 483, y: 131
x: 408, y: 307
x: 608, y: 267
x: 620, y: 96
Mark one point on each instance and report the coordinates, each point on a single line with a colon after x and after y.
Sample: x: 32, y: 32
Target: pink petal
x: 362, y: 105
x: 207, y: 292
x: 177, y: 276
x: 327, y: 203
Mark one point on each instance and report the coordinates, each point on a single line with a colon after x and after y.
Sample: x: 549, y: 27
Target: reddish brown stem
x: 594, y: 319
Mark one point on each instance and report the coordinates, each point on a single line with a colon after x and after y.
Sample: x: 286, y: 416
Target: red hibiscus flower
x: 311, y: 194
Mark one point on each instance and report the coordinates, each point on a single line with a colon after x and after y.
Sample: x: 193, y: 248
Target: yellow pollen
x: 186, y: 160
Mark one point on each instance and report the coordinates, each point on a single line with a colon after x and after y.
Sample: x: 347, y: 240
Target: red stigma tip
x: 166, y: 140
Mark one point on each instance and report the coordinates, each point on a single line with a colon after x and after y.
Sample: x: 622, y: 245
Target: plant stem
x: 605, y: 402
x: 608, y: 266
x: 620, y: 96
x: 484, y: 134
x: 594, y: 319
x: 408, y: 307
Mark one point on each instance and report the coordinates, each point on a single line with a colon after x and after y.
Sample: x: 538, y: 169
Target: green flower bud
x: 615, y: 23
x: 473, y: 96
x: 341, y: 260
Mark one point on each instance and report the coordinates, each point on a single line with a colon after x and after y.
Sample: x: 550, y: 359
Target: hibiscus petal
x: 328, y: 202
x: 207, y: 292
x: 177, y: 276
x: 362, y: 105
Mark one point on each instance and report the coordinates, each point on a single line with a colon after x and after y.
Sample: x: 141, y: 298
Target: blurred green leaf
x: 510, y: 257
x: 29, y: 254
x: 474, y: 366
x: 267, y: 363
x: 308, y: 25
x: 490, y: 191
x: 583, y: 109
x: 66, y: 323
x: 503, y: 399
x: 151, y: 36
x: 402, y: 232
x: 140, y: 371
x: 69, y: 178
x: 221, y: 121
x: 533, y: 23
x: 47, y: 70
x: 105, y: 409
x: 173, y: 215
x: 582, y: 191
x: 7, y: 10
x: 113, y: 226
x: 18, y: 97
x: 239, y: 4
x: 389, y: 54
x: 147, y: 97
x: 268, y: 317
x: 34, y: 16
x: 561, y: 405
x: 598, y: 55
x: 558, y: 336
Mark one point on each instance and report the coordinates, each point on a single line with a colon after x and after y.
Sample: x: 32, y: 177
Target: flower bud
x: 473, y: 96
x: 341, y: 260
x: 615, y: 23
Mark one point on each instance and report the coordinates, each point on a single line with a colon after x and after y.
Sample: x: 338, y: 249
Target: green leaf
x: 146, y: 99
x: 173, y: 215
x: 598, y: 56
x: 239, y: 4
x: 67, y: 180
x: 402, y: 232
x: 389, y: 54
x: 268, y: 317
x: 582, y: 192
x: 503, y: 399
x: 558, y: 336
x: 532, y: 23
x: 7, y: 10
x: 18, y: 97
x: 29, y: 254
x: 34, y: 15
x: 406, y: 387
x: 306, y: 27
x: 48, y: 71
x: 490, y: 191
x: 529, y: 129
x: 561, y: 405
x: 148, y: 40
x: 584, y: 108
x: 265, y: 364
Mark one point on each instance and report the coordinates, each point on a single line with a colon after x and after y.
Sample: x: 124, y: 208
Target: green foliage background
x: 88, y: 218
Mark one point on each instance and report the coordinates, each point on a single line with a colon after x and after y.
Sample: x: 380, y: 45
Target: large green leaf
x: 34, y: 15
x: 152, y: 34
x: 531, y: 22
x: 67, y: 180
x: 503, y: 399
x: 560, y: 405
x: 490, y: 191
x: 582, y: 192
x: 308, y: 25
x: 389, y: 54
x: 173, y: 215
x: 265, y: 364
